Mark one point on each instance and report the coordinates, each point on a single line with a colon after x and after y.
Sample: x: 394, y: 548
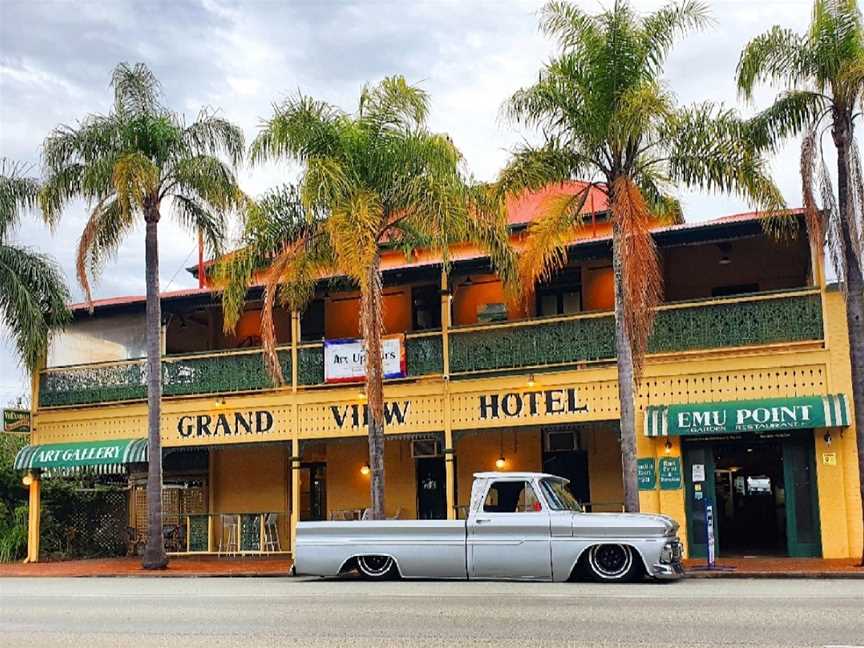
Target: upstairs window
x: 425, y: 308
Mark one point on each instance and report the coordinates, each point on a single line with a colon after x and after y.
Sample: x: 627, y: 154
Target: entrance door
x: 431, y: 489
x: 313, y: 491
x: 802, y: 502
x: 701, y: 457
x: 572, y: 465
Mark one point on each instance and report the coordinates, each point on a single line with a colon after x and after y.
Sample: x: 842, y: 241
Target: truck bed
x: 422, y: 548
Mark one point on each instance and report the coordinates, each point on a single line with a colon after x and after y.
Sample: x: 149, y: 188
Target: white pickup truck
x: 520, y: 526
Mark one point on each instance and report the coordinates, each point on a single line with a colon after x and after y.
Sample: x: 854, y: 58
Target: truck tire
x: 377, y: 567
x: 611, y: 563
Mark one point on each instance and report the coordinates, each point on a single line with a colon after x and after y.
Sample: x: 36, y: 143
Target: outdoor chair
x: 271, y: 532
x: 229, y: 539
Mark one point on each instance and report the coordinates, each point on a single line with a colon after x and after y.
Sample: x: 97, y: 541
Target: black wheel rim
x: 611, y: 561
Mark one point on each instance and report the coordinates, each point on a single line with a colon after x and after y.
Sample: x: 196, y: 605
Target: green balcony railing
x: 736, y: 322
x: 761, y: 319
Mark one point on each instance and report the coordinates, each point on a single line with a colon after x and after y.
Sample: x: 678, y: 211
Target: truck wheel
x: 612, y: 563
x: 377, y: 567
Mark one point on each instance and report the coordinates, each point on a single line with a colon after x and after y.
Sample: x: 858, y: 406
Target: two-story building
x: 745, y: 401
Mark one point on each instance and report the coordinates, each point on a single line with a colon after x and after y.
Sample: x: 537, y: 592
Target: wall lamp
x: 365, y: 470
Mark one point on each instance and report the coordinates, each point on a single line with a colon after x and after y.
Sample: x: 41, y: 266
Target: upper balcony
x: 727, y: 287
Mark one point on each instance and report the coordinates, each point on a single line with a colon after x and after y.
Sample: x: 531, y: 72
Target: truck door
x: 509, y: 536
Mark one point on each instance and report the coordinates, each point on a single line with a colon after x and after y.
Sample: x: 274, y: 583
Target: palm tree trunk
x: 154, y: 551
x: 626, y: 383
x: 854, y: 291
x: 372, y: 328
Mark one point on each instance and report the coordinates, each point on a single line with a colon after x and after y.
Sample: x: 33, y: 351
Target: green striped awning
x: 765, y: 415
x: 99, y: 456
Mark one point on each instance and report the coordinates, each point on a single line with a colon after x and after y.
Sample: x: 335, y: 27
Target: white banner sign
x: 345, y: 360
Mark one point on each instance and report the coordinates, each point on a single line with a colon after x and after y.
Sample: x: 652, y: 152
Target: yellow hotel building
x: 745, y: 401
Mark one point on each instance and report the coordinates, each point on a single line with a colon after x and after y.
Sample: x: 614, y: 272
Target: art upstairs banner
x: 345, y: 359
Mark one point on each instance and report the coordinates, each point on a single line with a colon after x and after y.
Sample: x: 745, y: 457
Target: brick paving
x: 779, y: 567
x: 178, y: 566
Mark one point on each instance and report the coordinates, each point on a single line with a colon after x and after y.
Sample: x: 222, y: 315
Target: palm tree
x: 374, y: 178
x: 608, y: 119
x: 126, y: 163
x: 822, y: 73
x: 33, y: 292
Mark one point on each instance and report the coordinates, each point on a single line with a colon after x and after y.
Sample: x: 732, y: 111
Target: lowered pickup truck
x: 520, y: 526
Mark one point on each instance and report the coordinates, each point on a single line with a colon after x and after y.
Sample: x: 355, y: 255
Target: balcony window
x: 425, y: 308
x: 561, y: 297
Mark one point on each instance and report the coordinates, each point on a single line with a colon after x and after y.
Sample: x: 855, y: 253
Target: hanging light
x: 27, y: 480
x: 668, y: 447
x: 500, y: 462
x: 828, y: 438
x: 365, y: 470
x: 725, y: 249
x: 531, y: 381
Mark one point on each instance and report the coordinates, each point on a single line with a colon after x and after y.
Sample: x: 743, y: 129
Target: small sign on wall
x: 646, y: 473
x: 670, y: 473
x: 829, y: 458
x: 345, y: 360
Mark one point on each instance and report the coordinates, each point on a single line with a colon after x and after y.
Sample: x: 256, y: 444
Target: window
x: 312, y: 321
x: 559, y: 496
x: 562, y: 297
x: 511, y: 497
x: 425, y: 308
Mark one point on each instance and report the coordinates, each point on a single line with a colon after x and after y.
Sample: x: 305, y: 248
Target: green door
x: 699, y: 454
x: 802, y: 503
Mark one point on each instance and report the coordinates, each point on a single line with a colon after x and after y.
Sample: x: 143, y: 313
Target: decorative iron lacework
x: 540, y: 344
x: 219, y: 373
x: 765, y: 321
x: 94, y: 384
x: 424, y: 355
x: 715, y: 325
x: 250, y: 532
x: 310, y: 365
x: 198, y: 532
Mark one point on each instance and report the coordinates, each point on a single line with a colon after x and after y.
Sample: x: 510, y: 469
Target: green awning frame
x: 763, y: 415
x: 103, y: 457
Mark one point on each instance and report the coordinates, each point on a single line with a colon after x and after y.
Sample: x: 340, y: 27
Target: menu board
x: 670, y: 473
x: 646, y: 473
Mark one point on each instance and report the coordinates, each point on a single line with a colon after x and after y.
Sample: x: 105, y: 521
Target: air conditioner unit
x: 562, y: 441
x: 424, y: 448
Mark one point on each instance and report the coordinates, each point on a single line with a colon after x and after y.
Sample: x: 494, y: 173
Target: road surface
x: 214, y: 612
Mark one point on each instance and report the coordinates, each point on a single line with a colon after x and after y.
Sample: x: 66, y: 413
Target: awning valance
x: 764, y: 415
x: 108, y: 456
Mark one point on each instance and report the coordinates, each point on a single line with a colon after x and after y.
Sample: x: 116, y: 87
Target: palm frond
x: 809, y: 151
x: 777, y: 56
x: 33, y: 297
x: 394, y: 103
x: 213, y: 136
x: 18, y: 194
x: 136, y: 90
x: 663, y: 27
x: 640, y: 266
x: 135, y: 178
x: 301, y: 127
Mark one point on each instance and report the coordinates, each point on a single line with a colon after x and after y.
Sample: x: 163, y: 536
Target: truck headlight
x: 671, y: 552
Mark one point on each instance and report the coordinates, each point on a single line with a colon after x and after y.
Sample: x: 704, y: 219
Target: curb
x: 783, y: 575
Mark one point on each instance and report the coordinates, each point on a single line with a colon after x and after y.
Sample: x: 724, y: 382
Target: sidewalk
x: 189, y: 566
x: 776, y: 568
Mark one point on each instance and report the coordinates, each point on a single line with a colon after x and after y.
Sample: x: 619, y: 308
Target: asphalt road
x: 212, y: 612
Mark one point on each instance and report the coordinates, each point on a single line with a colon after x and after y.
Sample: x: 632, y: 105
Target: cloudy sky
x: 56, y: 58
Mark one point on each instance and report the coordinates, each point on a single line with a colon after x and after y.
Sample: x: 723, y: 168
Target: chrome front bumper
x: 669, y: 567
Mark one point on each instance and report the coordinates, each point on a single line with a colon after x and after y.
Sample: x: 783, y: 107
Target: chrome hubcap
x: 375, y: 566
x: 610, y: 561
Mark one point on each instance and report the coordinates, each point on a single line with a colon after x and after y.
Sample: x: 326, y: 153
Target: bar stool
x: 271, y: 532
x: 229, y: 538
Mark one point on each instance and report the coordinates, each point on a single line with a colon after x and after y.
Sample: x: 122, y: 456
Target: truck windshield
x: 559, y: 496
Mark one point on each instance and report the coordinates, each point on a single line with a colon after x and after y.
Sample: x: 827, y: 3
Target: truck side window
x: 511, y: 497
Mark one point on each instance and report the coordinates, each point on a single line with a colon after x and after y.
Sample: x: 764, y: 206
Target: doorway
x: 313, y: 491
x: 763, y: 490
x: 572, y: 465
x: 431, y: 492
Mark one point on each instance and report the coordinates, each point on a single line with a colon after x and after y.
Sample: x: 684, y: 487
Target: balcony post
x: 449, y: 454
x: 294, y: 460
x: 34, y: 516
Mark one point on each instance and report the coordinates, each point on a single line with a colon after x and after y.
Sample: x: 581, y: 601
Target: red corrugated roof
x: 527, y: 207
